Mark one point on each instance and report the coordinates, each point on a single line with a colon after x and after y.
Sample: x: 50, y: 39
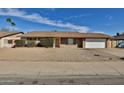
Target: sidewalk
x: 62, y: 73
x: 61, y: 68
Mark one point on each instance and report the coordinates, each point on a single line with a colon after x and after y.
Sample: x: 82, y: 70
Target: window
x: 64, y: 41
x: 70, y: 41
x: 9, y: 41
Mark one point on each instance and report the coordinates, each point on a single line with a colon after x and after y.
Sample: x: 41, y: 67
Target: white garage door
x: 95, y: 43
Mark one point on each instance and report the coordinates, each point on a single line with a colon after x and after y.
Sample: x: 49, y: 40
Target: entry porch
x: 58, y: 41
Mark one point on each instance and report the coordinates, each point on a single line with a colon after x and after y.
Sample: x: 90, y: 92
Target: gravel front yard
x: 60, y: 54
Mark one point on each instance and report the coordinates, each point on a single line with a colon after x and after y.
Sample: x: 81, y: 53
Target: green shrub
x: 47, y: 42
x: 19, y: 43
x: 30, y: 43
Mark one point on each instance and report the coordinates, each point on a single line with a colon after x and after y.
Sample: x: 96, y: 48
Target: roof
x: 66, y: 34
x: 5, y: 34
x: 120, y: 37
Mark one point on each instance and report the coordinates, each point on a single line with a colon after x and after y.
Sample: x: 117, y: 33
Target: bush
x: 46, y: 42
x: 25, y: 43
x: 30, y: 43
x: 20, y: 43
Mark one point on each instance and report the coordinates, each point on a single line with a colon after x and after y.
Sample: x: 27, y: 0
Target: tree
x: 117, y: 34
x: 13, y: 24
x: 10, y: 21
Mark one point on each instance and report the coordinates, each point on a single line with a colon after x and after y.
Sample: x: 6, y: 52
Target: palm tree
x: 13, y: 24
x: 10, y: 21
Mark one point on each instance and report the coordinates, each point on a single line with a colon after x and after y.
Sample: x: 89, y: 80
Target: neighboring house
x: 72, y: 39
x: 119, y: 38
x: 7, y: 39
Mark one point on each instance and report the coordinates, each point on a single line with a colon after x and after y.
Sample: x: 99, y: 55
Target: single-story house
x: 72, y: 39
x: 7, y: 39
x: 119, y: 38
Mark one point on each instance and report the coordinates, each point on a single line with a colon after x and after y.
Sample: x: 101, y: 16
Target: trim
x: 11, y: 34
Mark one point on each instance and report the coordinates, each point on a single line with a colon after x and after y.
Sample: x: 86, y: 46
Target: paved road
x: 62, y: 72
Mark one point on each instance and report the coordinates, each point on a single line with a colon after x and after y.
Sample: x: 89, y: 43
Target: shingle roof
x: 5, y: 34
x: 66, y: 34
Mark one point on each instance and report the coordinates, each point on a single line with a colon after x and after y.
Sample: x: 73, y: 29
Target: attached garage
x: 95, y: 43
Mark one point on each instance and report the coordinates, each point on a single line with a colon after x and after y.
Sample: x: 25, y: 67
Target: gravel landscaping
x: 60, y: 54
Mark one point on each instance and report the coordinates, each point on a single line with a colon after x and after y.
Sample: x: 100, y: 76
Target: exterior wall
x: 4, y: 41
x: 79, y: 42
x: 68, y: 46
x: 84, y: 41
x: 0, y: 43
x: 108, y: 43
x: 114, y: 44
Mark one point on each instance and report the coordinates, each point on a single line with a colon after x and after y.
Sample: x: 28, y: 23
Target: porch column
x: 83, y: 43
x: 13, y: 43
x: 59, y: 41
x: 54, y: 42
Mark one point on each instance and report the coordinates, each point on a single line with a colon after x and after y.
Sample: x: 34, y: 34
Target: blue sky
x: 109, y: 21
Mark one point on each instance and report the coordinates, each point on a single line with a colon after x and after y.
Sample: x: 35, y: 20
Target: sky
x: 96, y: 20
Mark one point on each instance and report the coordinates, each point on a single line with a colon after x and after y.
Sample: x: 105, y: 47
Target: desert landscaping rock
x: 59, y: 55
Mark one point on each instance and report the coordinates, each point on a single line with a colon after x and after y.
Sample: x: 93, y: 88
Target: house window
x: 9, y: 41
x: 64, y: 41
x: 68, y: 41
x: 71, y: 41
